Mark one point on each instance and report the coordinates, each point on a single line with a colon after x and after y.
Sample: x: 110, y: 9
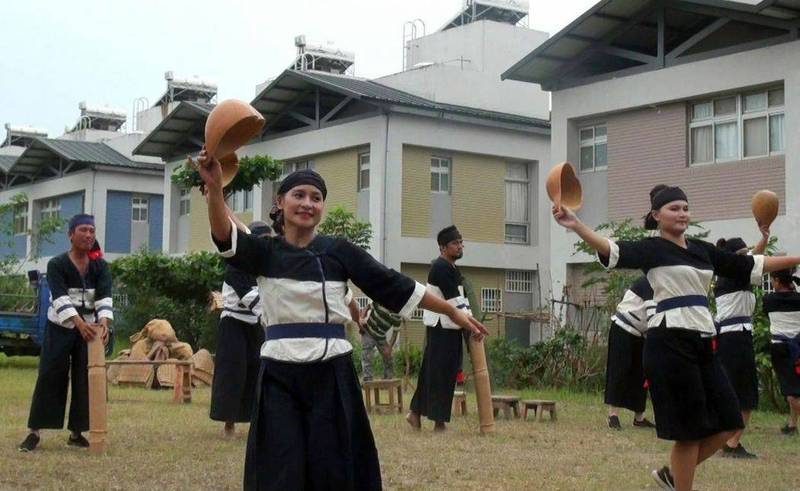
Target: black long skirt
x: 437, y: 376
x: 310, y: 430
x: 236, y: 367
x: 735, y: 351
x: 63, y: 361
x: 692, y: 397
x: 783, y: 365
x: 624, y: 370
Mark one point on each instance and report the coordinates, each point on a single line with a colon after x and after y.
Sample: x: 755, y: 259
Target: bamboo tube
x: 98, y: 414
x: 483, y: 389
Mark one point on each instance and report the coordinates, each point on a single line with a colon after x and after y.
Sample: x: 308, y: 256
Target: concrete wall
x: 660, y: 90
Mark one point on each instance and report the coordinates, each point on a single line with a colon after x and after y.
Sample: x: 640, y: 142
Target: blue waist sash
x: 684, y: 301
x: 305, y: 330
x: 794, y: 345
x: 734, y: 321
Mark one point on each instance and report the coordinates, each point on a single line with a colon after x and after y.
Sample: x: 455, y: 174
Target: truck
x: 22, y: 330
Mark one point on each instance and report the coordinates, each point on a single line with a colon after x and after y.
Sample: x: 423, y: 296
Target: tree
x: 252, y: 172
x: 10, y: 263
x: 341, y: 223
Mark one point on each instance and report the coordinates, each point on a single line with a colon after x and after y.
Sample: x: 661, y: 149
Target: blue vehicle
x: 22, y: 332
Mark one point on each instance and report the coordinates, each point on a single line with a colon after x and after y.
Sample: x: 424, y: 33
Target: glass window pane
x: 434, y: 181
x: 726, y: 106
x: 701, y: 110
x: 365, y: 179
x: 776, y: 138
x: 434, y: 163
x: 445, y: 164
x: 755, y: 137
x: 587, y: 158
x: 600, y: 155
x: 755, y: 102
x: 444, y: 181
x: 517, y: 171
x: 701, y: 145
x: 775, y: 97
x: 726, y: 141
x: 600, y: 131
x: 587, y: 134
x: 516, y: 233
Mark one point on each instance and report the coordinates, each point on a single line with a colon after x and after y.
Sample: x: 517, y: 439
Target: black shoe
x: 644, y: 423
x: 78, y: 441
x: 738, y: 452
x: 613, y: 423
x: 664, y: 478
x: 789, y: 430
x: 30, y: 443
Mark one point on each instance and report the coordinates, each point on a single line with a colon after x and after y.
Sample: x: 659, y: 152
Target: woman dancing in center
x: 693, y: 402
x: 309, y: 428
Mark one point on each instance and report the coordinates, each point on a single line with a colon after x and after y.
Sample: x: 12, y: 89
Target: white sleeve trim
x: 104, y: 308
x: 250, y: 297
x: 758, y: 270
x: 348, y: 297
x: 613, y: 255
x: 234, y: 235
x: 413, y: 301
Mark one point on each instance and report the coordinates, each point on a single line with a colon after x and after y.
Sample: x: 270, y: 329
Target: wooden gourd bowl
x: 563, y: 187
x: 765, y: 207
x: 231, y: 124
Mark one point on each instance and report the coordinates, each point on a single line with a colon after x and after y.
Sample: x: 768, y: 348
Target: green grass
x: 155, y: 444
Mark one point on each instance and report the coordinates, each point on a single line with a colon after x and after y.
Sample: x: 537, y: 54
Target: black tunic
x: 783, y: 310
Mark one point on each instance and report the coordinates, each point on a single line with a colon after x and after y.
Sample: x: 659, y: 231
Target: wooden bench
x: 539, y: 407
x: 506, y: 404
x: 183, y: 375
x: 460, y: 403
x: 391, y: 385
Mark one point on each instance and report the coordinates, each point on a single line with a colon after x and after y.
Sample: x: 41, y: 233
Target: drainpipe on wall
x: 385, y: 189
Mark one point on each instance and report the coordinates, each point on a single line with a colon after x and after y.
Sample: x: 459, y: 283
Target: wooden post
x: 98, y: 411
x: 483, y: 389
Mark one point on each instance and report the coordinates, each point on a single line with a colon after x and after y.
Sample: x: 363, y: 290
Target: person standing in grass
x: 310, y: 428
x: 80, y: 309
x: 378, y: 322
x: 693, y: 401
x: 783, y: 309
x: 625, y: 382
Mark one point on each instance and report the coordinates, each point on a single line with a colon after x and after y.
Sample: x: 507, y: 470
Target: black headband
x: 303, y: 176
x: 667, y: 195
x: 259, y: 228
x: 447, y: 235
x: 734, y: 245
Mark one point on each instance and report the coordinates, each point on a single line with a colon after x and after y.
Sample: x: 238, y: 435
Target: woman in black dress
x: 693, y: 402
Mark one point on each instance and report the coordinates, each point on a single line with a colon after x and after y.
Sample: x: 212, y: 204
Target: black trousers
x: 310, y: 430
x: 64, y: 358
x: 236, y: 365
x: 437, y: 376
x: 625, y: 371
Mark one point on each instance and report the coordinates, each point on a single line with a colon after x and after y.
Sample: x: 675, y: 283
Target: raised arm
x: 777, y: 263
x: 567, y: 219
x: 211, y: 173
x: 762, y: 244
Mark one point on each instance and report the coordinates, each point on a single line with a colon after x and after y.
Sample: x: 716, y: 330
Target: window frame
x: 142, y: 205
x: 488, y: 301
x: 49, y: 208
x: 21, y: 214
x: 527, y: 225
x: 362, y: 167
x: 184, y: 202
x: 519, y: 281
x: 592, y: 142
x: 449, y: 172
x: 739, y: 117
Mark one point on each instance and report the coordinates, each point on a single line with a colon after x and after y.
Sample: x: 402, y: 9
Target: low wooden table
x: 539, y: 406
x: 183, y: 375
x: 506, y: 404
x: 391, y: 385
x: 459, y: 403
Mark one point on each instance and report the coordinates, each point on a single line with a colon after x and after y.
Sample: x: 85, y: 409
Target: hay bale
x: 203, y: 367
x: 161, y: 330
x: 180, y: 351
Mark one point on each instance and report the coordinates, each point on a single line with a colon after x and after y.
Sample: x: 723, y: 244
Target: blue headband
x: 80, y: 219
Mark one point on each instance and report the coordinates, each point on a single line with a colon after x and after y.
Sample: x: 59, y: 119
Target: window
x: 139, y: 206
x: 766, y: 284
x: 185, y: 203
x: 363, y: 171
x: 241, y: 201
x: 440, y: 175
x: 416, y: 314
x: 737, y: 126
x: 519, y: 281
x: 594, y: 148
x: 289, y: 167
x: 517, y: 202
x: 491, y: 301
x: 50, y: 208
x: 21, y: 219
x: 362, y: 302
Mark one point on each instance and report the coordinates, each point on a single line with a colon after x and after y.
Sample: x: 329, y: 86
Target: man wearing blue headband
x: 80, y: 309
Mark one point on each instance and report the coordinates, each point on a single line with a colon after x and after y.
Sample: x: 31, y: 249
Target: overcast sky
x: 56, y: 53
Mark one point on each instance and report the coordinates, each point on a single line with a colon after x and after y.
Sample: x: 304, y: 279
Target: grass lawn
x: 155, y: 444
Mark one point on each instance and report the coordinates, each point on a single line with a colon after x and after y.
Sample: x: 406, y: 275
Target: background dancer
x: 693, y: 402
x: 376, y: 325
x: 625, y: 382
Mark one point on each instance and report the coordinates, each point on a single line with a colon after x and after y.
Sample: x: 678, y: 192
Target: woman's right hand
x: 565, y: 217
x: 210, y: 170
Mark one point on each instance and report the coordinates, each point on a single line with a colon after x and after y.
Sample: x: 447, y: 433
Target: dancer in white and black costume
x: 783, y: 309
x: 625, y: 383
x: 693, y: 401
x: 735, y: 303
x: 310, y: 428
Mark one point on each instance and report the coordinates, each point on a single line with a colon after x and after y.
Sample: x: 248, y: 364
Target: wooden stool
x: 507, y: 404
x: 392, y: 386
x: 459, y: 403
x: 539, y: 407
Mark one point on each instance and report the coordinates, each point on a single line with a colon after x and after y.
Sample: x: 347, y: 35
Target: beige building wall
x: 200, y: 235
x: 479, y: 197
x: 340, y: 171
x: 650, y: 146
x: 416, y: 201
